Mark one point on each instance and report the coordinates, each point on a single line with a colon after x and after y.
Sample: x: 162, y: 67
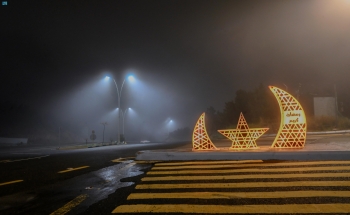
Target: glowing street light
x: 131, y: 78
x: 119, y: 93
x: 169, y: 125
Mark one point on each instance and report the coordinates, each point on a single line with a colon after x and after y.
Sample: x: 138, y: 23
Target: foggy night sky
x: 185, y: 55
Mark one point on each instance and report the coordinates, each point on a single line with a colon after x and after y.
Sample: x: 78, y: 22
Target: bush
x: 324, y: 123
x: 343, y: 123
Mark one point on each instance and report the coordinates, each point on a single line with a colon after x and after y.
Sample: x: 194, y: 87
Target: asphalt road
x: 39, y: 179
x: 106, y: 179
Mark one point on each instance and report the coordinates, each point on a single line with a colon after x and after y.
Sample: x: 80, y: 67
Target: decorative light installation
x: 200, y: 138
x: 243, y: 137
x: 292, y: 131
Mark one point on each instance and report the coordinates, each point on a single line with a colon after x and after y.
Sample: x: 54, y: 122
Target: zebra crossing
x: 242, y: 187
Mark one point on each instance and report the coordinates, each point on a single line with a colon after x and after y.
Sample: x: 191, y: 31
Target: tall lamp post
x: 123, y: 113
x: 169, y: 126
x: 104, y: 126
x: 119, y: 93
x: 123, y: 118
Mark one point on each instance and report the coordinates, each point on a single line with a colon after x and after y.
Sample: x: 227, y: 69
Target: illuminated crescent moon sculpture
x: 200, y: 137
x: 292, y: 131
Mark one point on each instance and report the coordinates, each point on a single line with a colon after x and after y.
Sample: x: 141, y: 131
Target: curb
x: 285, y: 155
x: 315, y: 132
x: 329, y: 132
x: 90, y: 145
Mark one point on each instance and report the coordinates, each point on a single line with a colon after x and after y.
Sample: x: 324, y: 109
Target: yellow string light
x: 200, y: 137
x: 292, y: 131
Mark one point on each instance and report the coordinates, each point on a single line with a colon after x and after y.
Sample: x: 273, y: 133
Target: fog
x: 185, y: 56
x: 86, y: 107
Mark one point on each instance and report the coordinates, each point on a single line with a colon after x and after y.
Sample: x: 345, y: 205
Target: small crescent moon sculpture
x: 292, y: 131
x: 200, y: 137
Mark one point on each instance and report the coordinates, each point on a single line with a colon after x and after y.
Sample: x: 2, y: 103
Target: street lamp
x: 131, y: 78
x: 119, y: 93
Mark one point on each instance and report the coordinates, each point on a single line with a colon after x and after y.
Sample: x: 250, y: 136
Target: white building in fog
x: 325, y: 106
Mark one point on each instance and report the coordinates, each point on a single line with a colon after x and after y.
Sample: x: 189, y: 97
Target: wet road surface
x: 41, y: 180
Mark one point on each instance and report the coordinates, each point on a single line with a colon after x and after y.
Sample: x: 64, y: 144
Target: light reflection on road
x: 96, y: 185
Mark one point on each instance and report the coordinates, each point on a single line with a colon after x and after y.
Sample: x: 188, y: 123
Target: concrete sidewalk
x: 328, y: 147
x: 89, y: 145
x: 264, y: 153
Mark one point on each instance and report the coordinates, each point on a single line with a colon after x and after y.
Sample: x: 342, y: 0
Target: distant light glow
x: 4, y: 3
x: 107, y: 78
x: 131, y: 112
x: 131, y: 78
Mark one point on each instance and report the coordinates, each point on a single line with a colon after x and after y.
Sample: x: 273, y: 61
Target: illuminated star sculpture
x: 243, y: 137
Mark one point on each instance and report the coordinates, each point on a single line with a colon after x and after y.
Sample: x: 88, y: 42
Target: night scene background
x: 187, y: 57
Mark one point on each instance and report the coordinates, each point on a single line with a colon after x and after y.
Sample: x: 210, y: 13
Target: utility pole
x: 298, y: 91
x: 104, y: 126
x: 59, y: 137
x: 88, y: 132
x: 336, y: 100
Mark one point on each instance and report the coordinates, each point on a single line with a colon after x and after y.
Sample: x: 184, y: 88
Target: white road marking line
x: 9, y: 161
x: 10, y: 182
x: 70, y: 205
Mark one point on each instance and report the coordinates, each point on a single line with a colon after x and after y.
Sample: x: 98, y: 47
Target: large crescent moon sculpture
x: 292, y: 131
x: 200, y: 137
